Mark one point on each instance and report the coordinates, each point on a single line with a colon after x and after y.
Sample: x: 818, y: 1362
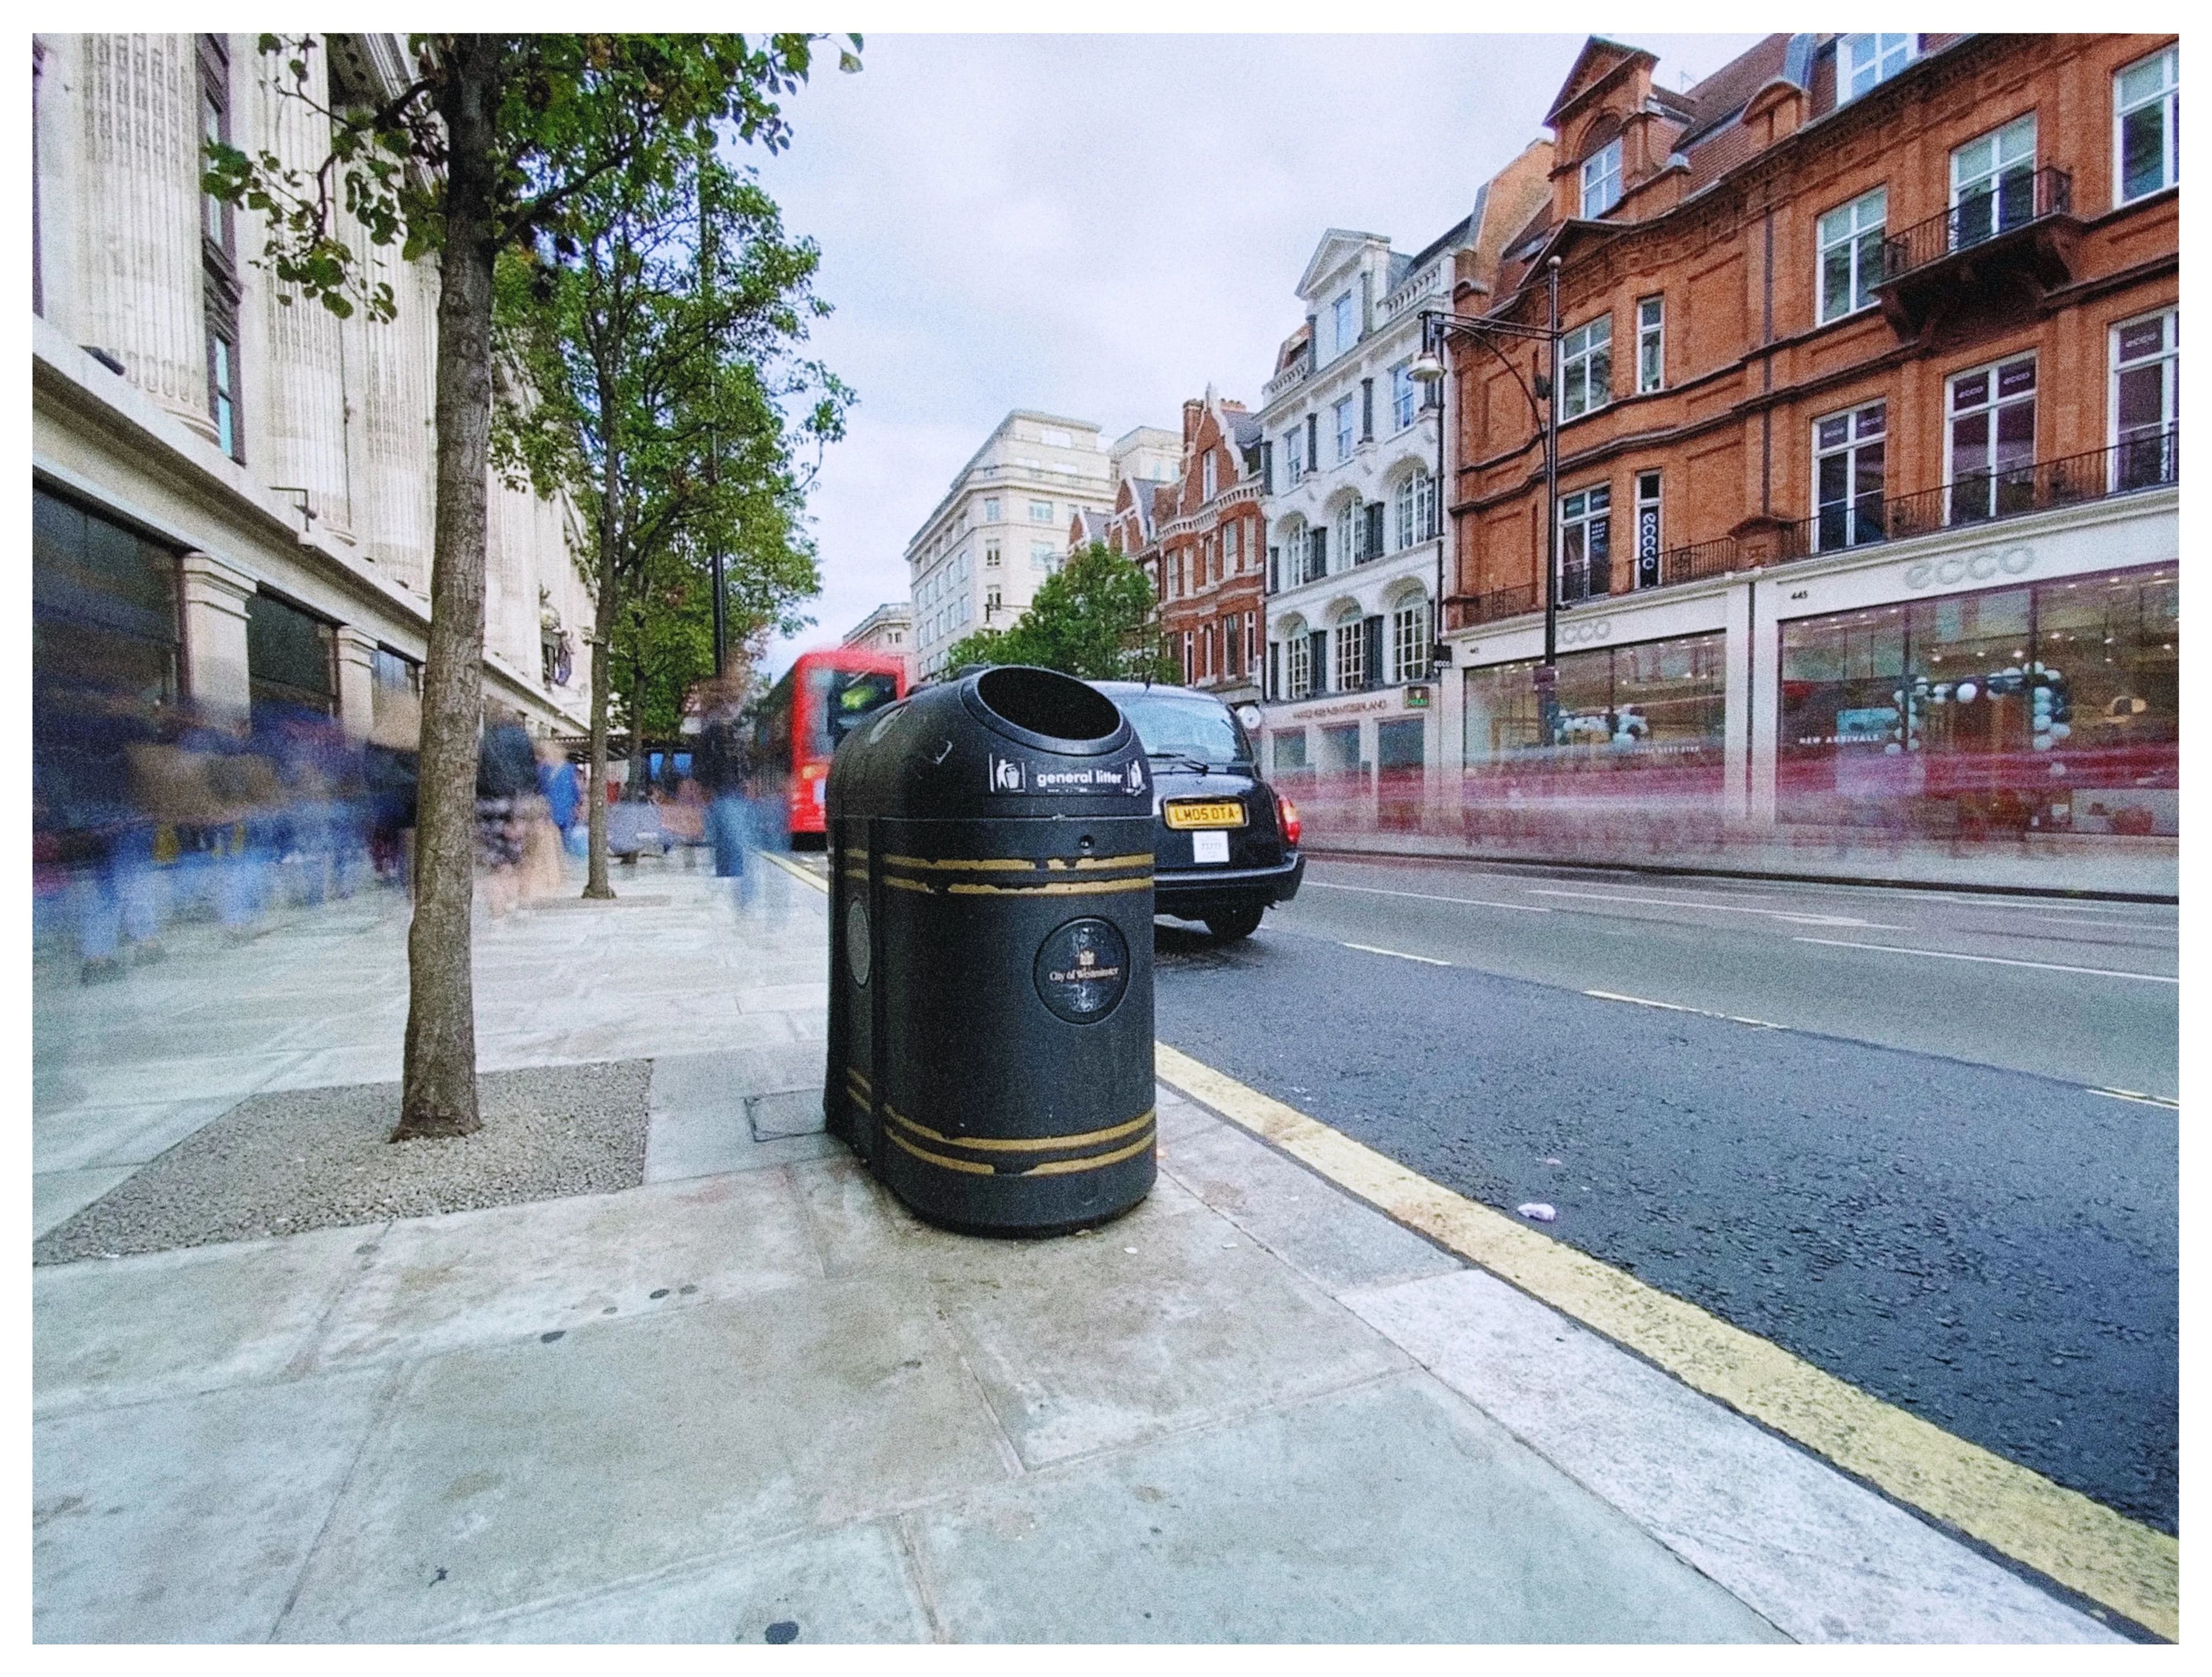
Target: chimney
x: 1193, y: 411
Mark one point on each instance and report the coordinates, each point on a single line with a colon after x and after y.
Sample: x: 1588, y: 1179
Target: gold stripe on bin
x: 1023, y: 1145
x: 859, y: 1077
x: 969, y: 1165
x: 1072, y: 888
x: 1018, y: 864
x: 1068, y: 1167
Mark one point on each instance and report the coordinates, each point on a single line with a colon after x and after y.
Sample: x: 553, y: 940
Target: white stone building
x: 232, y: 499
x: 888, y: 630
x: 1353, y: 533
x: 1002, y: 528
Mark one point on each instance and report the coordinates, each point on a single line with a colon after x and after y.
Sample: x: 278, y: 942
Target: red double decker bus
x: 804, y: 716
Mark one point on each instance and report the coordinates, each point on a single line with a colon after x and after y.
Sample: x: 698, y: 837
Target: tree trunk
x: 438, y: 1092
x: 603, y: 628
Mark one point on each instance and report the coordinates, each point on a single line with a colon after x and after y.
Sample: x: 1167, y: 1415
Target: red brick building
x: 1868, y: 480
x: 1209, y: 551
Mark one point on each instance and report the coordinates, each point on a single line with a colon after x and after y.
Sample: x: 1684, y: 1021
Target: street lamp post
x: 1439, y: 327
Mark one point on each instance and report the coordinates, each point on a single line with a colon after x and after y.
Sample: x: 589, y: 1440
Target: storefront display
x: 1643, y: 719
x: 2047, y: 707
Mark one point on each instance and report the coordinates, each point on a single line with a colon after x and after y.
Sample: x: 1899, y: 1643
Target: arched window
x: 1410, y: 637
x: 1348, y: 647
x: 1416, y: 507
x: 1348, y: 534
x: 1298, y: 659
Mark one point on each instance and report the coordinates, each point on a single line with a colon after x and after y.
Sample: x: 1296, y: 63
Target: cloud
x: 1100, y: 226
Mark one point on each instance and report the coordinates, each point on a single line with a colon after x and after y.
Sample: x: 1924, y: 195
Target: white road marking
x: 1425, y: 960
x: 2139, y: 1098
x: 1677, y: 1008
x: 1423, y: 897
x: 1993, y: 960
x: 1725, y: 908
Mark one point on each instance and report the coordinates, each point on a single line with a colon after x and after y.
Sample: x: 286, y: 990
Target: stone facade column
x: 357, y: 682
x: 390, y: 370
x: 298, y: 438
x: 214, y: 600
x: 138, y: 267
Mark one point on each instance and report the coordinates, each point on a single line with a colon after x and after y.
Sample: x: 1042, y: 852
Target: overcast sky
x: 1099, y: 226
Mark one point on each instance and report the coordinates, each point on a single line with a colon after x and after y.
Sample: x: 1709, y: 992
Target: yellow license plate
x: 1183, y: 816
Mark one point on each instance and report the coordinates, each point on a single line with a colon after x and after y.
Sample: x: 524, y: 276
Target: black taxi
x: 1225, y: 844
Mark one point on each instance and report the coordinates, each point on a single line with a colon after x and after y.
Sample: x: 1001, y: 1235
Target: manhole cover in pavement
x: 784, y: 1112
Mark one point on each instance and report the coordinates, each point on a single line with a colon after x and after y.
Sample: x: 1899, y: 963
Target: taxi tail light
x: 1287, y: 813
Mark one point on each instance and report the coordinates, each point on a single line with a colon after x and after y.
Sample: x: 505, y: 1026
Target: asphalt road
x: 1891, y: 1160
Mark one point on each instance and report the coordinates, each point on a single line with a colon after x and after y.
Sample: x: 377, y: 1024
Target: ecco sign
x: 1979, y: 567
x: 1586, y: 635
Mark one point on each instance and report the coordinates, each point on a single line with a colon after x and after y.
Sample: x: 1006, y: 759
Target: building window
x: 1586, y: 542
x: 1402, y: 396
x: 1350, y: 641
x: 1601, y: 179
x: 1274, y: 569
x: 1647, y: 530
x: 1232, y: 537
x: 1409, y: 641
x: 1650, y: 344
x: 1345, y: 323
x: 992, y: 600
x: 1993, y: 183
x: 1851, y: 253
x: 1416, y: 505
x: 1294, y: 464
x: 2147, y: 400
x: 1040, y: 511
x: 1348, y: 534
x: 1586, y: 368
x: 1042, y: 556
x: 2147, y: 115
x: 1342, y: 413
x: 1871, y: 60
x: 218, y: 262
x: 1052, y: 438
x: 1252, y: 637
x: 1316, y: 553
x: 1992, y: 424
x: 1206, y: 472
x: 990, y: 509
x: 1297, y: 660
x: 223, y: 389
x: 1850, y: 467
x: 990, y: 556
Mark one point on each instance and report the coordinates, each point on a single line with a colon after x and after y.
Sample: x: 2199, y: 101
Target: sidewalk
x: 751, y: 1397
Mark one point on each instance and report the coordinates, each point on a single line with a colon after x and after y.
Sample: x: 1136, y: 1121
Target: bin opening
x: 1046, y: 702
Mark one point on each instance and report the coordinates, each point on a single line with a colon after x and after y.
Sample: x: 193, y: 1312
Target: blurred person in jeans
x: 507, y: 803
x: 722, y: 763
x: 82, y: 735
x: 563, y: 791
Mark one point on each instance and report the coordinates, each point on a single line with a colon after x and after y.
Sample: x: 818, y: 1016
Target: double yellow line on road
x: 2075, y: 1541
x: 2061, y: 1534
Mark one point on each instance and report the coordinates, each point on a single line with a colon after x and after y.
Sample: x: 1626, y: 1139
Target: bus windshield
x: 841, y: 698
x: 1181, y: 725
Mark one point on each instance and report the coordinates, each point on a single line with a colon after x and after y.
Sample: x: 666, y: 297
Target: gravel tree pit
x: 282, y: 1163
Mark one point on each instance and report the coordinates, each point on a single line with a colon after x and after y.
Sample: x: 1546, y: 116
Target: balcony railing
x: 1466, y: 611
x: 2013, y: 201
x: 2147, y: 462
x: 1423, y: 284
x: 1289, y: 379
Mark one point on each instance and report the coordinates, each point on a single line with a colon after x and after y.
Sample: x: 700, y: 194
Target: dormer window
x: 1601, y: 179
x: 1345, y: 323
x: 1867, y: 61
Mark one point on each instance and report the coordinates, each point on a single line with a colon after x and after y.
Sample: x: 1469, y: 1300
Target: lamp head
x: 1426, y: 369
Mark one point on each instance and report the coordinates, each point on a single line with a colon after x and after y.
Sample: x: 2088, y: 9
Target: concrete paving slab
x: 1178, y: 1117
x: 537, y: 1471
x: 58, y: 1195
x: 106, y: 1331
x: 856, y: 1222
x: 1083, y: 1344
x: 1818, y: 1555
x: 187, y: 1521
x: 844, y: 1586
x: 1389, y: 1514
x: 98, y: 1084
x: 440, y: 1284
x: 1323, y: 1233
x: 113, y: 1136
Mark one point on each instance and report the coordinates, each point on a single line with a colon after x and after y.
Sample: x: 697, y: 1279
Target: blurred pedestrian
x: 562, y: 790
x: 724, y: 765
x: 506, y: 801
x: 388, y: 782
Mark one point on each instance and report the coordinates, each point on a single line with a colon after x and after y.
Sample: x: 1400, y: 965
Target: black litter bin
x: 991, y: 953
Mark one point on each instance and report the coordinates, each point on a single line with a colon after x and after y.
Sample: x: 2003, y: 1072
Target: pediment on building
x: 1338, y: 246
x: 1596, y: 68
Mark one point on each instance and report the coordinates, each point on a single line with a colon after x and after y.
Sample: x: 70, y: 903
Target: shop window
x: 1851, y: 253
x: 2147, y: 401
x: 290, y: 658
x: 2050, y: 708
x: 1586, y: 542
x: 1290, y: 751
x: 2147, y: 124
x: 1655, y: 711
x: 1993, y: 183
x: 1992, y: 435
x: 1850, y: 464
x: 103, y: 604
